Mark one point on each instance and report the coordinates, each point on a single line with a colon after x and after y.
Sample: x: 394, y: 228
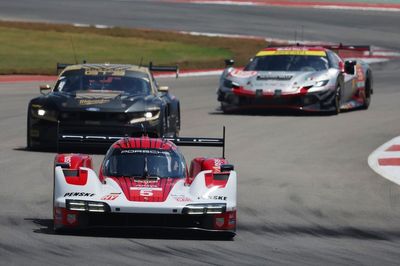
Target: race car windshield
x: 144, y: 163
x: 77, y: 81
x: 288, y: 63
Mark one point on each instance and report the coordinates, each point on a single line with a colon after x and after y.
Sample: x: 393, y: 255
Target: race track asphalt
x: 306, y: 193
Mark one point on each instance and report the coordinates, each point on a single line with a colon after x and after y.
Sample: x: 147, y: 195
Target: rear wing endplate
x: 201, y: 142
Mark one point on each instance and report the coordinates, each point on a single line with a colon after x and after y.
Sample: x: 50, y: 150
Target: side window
x: 333, y: 60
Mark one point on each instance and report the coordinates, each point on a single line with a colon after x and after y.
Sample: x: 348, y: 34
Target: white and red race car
x: 144, y: 183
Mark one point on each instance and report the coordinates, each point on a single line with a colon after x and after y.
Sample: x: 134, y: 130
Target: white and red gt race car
x: 144, y: 183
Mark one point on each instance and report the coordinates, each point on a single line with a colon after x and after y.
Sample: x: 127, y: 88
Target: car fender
x: 62, y: 189
x: 216, y: 192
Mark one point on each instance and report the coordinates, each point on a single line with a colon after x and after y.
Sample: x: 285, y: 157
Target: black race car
x: 101, y: 103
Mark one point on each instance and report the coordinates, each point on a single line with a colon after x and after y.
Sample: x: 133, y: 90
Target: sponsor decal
x: 217, y: 165
x: 78, y: 194
x: 111, y: 196
x: 291, y: 52
x: 67, y: 159
x: 93, y: 101
x: 243, y: 74
x: 182, y: 199
x: 218, y: 197
x: 145, y: 152
x: 219, y: 222
x: 274, y: 77
x: 147, y: 191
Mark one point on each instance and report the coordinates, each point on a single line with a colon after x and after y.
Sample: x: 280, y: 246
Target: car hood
x: 102, y: 102
x: 144, y: 190
x: 269, y: 81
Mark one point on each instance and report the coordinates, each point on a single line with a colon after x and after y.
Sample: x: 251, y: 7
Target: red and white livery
x: 144, y: 182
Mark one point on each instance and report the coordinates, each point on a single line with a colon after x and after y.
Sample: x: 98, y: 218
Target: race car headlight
x: 321, y: 83
x: 45, y: 114
x: 87, y: 206
x: 210, y: 208
x: 145, y: 116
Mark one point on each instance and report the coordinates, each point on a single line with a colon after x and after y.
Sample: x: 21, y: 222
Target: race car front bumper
x: 71, y: 219
x: 239, y: 99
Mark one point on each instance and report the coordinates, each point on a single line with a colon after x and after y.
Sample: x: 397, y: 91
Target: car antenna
x: 73, y: 49
x: 223, y: 139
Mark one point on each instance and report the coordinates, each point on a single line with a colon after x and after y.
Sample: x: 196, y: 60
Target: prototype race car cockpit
x: 144, y: 163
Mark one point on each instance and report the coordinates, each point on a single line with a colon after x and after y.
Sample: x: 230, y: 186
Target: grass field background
x: 35, y: 48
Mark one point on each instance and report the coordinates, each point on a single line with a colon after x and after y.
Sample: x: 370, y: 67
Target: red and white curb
x: 386, y: 160
x: 387, y: 7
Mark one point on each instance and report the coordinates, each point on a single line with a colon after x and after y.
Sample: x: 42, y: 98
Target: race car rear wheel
x: 336, y: 101
x: 367, y: 94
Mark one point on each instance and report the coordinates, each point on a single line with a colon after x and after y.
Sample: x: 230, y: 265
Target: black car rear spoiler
x: 164, y: 68
x: 202, y: 142
x: 61, y: 66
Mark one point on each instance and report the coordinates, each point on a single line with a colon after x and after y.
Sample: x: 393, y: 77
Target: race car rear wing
x: 61, y: 66
x: 164, y: 68
x: 202, y: 142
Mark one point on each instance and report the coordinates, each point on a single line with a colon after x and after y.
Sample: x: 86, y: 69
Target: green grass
x: 35, y: 48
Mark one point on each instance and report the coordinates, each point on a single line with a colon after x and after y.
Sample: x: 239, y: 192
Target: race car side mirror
x: 349, y: 67
x: 44, y: 89
x: 163, y: 89
x: 229, y: 62
x: 227, y: 167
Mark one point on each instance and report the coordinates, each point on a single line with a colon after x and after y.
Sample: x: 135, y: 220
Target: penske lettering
x: 78, y: 194
x: 218, y: 197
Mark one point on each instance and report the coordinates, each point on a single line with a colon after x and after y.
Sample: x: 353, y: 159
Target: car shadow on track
x: 278, y: 112
x: 46, y: 227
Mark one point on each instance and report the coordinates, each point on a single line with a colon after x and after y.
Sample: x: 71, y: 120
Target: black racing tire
x: 29, y: 145
x: 367, y: 94
x: 336, y: 102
